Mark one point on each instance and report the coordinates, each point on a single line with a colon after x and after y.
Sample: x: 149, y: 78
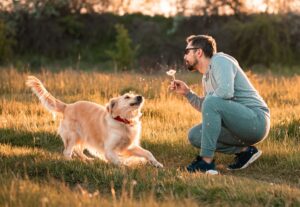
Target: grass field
x: 34, y: 172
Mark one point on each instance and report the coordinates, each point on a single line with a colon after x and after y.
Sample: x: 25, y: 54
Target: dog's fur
x: 111, y: 131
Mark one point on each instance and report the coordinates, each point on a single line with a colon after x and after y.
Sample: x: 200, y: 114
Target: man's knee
x: 194, y: 136
x: 210, y: 101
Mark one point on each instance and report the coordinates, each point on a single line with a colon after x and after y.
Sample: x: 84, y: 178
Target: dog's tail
x: 48, y: 101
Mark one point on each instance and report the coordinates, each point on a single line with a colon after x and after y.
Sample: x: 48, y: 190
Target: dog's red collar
x: 125, y: 121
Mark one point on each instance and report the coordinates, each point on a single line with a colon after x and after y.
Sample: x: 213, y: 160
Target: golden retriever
x: 112, y: 131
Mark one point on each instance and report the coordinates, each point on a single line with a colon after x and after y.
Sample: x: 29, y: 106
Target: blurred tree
x: 203, y: 7
x: 220, y: 7
x: 264, y: 40
x: 279, y: 6
x: 123, y: 55
x: 56, y: 7
x: 121, y: 6
x: 181, y: 6
x: 6, y: 43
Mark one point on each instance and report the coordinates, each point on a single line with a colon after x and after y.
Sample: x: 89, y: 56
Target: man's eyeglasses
x: 187, y: 50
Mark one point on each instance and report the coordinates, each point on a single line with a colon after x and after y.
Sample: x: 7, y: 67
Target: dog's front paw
x: 88, y: 159
x: 157, y: 164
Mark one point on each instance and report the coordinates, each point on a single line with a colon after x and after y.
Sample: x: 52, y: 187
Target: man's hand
x: 179, y: 87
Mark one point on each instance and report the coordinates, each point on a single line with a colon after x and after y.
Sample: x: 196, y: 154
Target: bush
x: 6, y: 43
x: 124, y: 53
x: 263, y: 40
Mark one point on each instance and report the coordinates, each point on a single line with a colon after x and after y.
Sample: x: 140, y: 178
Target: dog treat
x: 171, y: 73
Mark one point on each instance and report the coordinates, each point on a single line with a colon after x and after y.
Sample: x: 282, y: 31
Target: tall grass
x: 34, y: 172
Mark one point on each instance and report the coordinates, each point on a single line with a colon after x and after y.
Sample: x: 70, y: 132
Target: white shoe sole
x: 211, y: 172
x: 252, y: 159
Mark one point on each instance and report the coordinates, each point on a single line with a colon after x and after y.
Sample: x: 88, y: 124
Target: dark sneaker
x: 199, y: 165
x: 243, y: 159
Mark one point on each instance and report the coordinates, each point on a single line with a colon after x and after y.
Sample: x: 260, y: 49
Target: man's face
x: 190, y: 57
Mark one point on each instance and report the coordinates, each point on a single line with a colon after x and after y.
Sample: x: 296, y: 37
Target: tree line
x: 61, y: 33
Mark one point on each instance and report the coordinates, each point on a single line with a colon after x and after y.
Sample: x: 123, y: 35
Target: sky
x: 168, y: 7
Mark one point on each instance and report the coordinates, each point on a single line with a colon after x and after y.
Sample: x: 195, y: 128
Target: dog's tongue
x: 125, y: 121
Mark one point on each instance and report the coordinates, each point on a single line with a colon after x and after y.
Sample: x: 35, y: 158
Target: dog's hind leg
x: 78, y: 150
x: 68, y: 151
x: 69, y: 140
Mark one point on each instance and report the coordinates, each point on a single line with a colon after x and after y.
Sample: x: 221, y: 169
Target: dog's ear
x: 111, y: 104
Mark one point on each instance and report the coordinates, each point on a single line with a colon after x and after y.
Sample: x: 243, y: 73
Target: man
x: 234, y: 116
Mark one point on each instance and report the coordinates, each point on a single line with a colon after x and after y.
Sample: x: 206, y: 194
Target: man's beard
x: 192, y: 67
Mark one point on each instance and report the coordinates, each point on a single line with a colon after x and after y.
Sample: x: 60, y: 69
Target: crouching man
x: 234, y: 115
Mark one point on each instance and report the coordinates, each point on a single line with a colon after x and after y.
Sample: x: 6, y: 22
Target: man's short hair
x: 205, y: 42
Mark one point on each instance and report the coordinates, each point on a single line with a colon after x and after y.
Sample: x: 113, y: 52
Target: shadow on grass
x: 149, y: 180
x: 271, y: 168
x: 44, y: 140
x: 53, y: 143
x: 93, y: 176
x: 48, y: 162
x: 71, y: 172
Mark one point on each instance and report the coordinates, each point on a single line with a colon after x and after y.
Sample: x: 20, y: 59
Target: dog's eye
x: 127, y: 97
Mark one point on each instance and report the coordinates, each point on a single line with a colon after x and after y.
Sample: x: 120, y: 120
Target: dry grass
x: 34, y: 172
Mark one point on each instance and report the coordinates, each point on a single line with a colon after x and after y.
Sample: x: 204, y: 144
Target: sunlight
x: 8, y: 150
x: 256, y: 5
x: 170, y: 7
x: 165, y: 7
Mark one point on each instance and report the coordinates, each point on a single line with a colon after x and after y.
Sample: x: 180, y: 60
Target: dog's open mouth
x: 135, y: 104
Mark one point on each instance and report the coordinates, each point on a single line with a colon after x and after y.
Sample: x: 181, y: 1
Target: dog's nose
x: 139, y: 98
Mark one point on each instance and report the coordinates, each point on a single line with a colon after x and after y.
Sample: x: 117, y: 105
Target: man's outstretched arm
x: 194, y: 100
x: 181, y: 88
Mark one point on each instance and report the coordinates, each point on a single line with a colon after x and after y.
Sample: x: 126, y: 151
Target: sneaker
x: 199, y: 165
x: 244, y: 159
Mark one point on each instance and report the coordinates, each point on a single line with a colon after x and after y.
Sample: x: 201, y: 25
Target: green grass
x: 34, y: 172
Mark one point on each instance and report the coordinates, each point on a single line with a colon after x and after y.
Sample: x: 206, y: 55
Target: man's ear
x: 111, y: 104
x: 199, y: 52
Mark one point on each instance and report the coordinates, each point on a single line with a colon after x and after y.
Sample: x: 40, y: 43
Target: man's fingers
x: 175, y: 83
x: 172, y: 88
x: 178, y: 83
